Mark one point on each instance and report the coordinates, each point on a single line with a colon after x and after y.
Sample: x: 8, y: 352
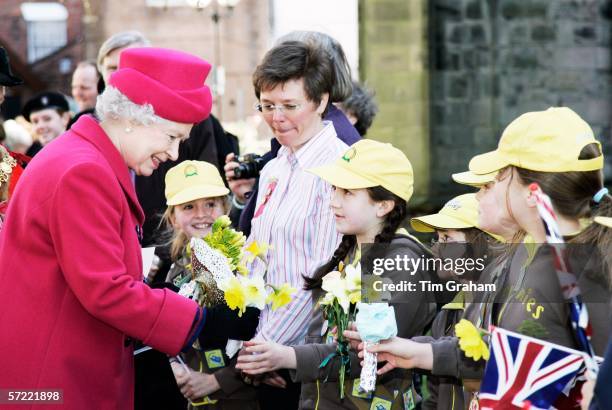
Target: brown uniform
x: 414, y: 311
x: 531, y: 297
x: 445, y: 392
x: 234, y: 393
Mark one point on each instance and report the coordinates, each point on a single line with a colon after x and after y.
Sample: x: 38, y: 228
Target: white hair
x: 113, y: 104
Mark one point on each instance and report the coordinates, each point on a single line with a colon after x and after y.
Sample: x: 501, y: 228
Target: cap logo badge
x: 349, y: 155
x: 44, y: 100
x: 454, y: 205
x: 190, y: 171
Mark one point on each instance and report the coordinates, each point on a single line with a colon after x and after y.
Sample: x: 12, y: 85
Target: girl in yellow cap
x: 557, y: 150
x: 196, y: 196
x: 372, y: 183
x: 455, y: 224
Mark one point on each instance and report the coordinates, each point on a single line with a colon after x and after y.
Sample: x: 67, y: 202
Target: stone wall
x: 492, y: 60
x: 393, y: 62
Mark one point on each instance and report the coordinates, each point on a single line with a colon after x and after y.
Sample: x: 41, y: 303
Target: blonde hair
x: 177, y: 239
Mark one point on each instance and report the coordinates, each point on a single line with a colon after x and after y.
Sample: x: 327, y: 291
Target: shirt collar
x: 307, y: 154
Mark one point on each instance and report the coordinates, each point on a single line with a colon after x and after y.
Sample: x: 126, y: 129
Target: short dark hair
x: 294, y: 60
x: 342, y: 86
x: 362, y: 105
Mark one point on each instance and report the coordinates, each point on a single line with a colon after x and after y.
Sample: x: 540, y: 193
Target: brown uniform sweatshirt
x: 414, y: 312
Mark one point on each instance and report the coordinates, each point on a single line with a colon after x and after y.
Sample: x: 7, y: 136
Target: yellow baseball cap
x: 192, y: 180
x: 369, y: 163
x: 472, y: 179
x: 460, y: 212
x: 547, y: 141
x: 604, y: 220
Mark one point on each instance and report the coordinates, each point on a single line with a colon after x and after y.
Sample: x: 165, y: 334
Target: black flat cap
x: 43, y: 101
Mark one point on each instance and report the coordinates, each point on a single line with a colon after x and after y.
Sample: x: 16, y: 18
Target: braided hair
x: 391, y: 224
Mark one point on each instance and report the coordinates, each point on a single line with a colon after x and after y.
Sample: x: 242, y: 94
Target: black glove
x: 165, y: 285
x: 223, y: 323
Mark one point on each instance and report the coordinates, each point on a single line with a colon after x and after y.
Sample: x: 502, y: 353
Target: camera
x: 250, y: 165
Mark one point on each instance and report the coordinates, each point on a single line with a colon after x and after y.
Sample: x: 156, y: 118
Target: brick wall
x: 492, y: 60
x: 44, y: 74
x: 243, y: 35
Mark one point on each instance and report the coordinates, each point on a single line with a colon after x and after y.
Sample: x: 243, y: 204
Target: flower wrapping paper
x: 375, y: 322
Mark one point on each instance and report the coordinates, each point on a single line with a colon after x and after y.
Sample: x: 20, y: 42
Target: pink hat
x: 171, y: 81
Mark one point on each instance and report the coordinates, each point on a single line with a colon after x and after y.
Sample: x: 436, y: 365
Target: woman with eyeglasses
x: 243, y: 206
x: 292, y: 212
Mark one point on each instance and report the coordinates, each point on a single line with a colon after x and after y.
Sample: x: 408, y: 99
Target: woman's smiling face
x: 145, y: 147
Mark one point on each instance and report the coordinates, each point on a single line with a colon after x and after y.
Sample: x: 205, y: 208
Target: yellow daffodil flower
x: 470, y: 340
x: 257, y: 250
x: 241, y: 269
x: 235, y: 294
x: 255, y: 291
x: 280, y: 297
x: 336, y: 285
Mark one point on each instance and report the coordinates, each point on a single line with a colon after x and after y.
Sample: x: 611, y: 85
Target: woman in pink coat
x: 72, y: 296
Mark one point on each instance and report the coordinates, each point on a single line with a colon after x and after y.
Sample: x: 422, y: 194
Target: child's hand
x: 181, y: 375
x: 403, y: 353
x: 587, y: 394
x: 352, y: 336
x: 199, y: 385
x: 265, y: 357
x: 275, y: 380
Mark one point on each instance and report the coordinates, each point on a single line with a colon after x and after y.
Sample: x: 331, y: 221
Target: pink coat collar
x: 89, y: 129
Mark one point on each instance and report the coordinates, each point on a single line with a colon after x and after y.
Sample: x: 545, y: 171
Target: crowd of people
x: 144, y: 163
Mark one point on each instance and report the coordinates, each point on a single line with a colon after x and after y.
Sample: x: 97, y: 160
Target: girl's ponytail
x: 348, y: 242
x: 602, y: 235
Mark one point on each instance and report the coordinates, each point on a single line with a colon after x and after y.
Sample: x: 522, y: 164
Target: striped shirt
x: 293, y: 214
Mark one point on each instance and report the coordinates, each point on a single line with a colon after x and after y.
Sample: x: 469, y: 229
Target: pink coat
x: 71, y: 289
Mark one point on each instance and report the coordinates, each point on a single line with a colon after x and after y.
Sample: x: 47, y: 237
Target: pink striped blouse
x: 293, y: 215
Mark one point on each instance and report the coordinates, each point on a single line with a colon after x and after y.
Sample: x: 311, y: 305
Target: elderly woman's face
x: 145, y: 147
x: 295, y: 120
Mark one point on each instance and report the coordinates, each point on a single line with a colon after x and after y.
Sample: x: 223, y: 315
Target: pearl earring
x: 128, y: 129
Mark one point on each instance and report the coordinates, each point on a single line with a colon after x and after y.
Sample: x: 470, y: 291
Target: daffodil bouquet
x: 342, y: 293
x: 243, y: 291
x: 219, y: 274
x: 214, y: 261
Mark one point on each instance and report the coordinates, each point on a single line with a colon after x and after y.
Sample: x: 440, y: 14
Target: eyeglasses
x: 268, y: 109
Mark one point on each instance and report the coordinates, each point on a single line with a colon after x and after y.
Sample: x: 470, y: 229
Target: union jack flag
x: 526, y: 373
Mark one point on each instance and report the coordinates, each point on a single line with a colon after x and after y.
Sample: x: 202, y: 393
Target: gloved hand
x: 223, y: 323
x: 165, y: 285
